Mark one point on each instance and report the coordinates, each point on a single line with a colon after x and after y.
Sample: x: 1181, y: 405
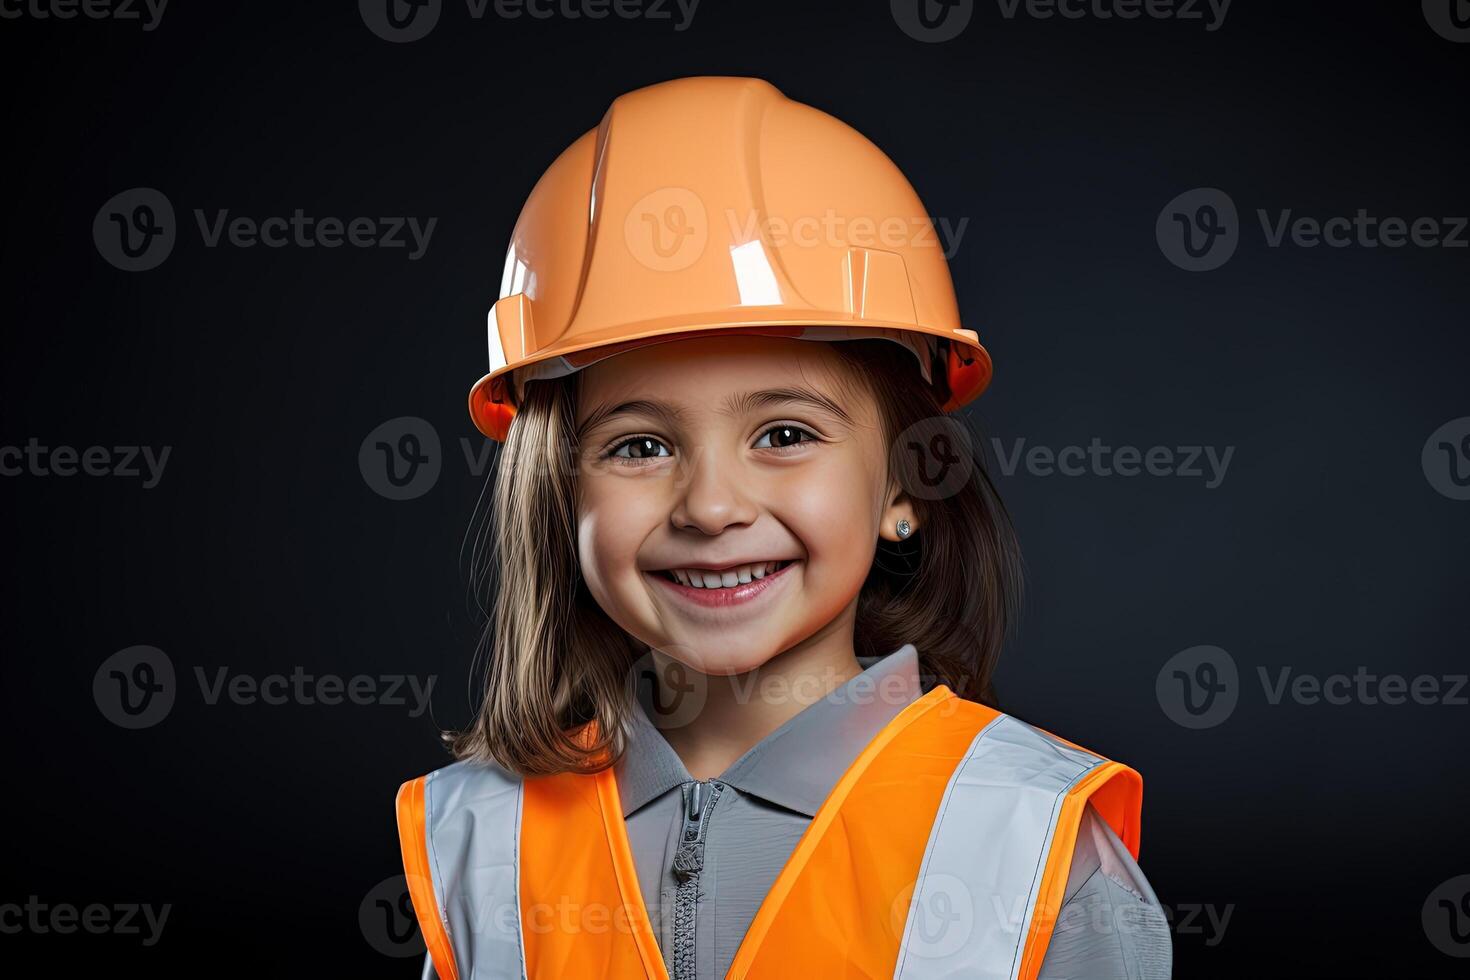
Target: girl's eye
x: 783, y: 437
x: 639, y: 447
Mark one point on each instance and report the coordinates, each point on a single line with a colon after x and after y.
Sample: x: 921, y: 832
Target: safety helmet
x: 714, y: 205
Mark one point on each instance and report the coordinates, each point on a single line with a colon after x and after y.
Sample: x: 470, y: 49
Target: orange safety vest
x: 943, y: 850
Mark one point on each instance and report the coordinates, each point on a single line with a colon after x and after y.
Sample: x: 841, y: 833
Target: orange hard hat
x: 718, y: 205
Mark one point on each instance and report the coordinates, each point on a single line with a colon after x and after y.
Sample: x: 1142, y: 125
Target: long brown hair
x: 554, y: 661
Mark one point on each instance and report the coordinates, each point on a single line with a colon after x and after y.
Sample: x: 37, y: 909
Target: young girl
x: 750, y: 584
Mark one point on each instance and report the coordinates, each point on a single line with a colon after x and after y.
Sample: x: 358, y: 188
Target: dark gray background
x: 1321, y: 829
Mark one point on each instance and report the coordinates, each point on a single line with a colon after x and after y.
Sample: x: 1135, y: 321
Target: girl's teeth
x: 729, y: 578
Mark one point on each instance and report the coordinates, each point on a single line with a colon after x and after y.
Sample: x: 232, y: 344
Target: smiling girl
x: 749, y: 586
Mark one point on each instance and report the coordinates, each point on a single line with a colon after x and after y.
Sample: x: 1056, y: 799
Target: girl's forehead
x: 707, y: 365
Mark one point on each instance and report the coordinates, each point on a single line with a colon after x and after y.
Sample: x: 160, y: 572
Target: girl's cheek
x: 614, y: 518
x: 829, y: 507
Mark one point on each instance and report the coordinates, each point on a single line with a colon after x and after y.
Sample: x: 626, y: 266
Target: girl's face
x: 731, y: 495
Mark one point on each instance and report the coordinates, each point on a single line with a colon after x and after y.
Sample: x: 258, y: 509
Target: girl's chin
x: 724, y: 658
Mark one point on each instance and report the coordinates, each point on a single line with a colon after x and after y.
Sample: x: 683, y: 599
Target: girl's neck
x: 741, y: 709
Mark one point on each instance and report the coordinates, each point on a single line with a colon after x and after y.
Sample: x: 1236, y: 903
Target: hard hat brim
x: 492, y: 400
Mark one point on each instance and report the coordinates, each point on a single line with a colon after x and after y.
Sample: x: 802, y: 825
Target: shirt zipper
x: 699, y: 799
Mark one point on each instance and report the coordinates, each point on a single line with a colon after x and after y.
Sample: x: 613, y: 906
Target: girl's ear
x: 899, y: 509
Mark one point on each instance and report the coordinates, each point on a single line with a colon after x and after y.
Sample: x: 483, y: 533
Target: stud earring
x: 904, y: 529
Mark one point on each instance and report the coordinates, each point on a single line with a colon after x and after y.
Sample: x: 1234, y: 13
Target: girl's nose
x: 712, y: 497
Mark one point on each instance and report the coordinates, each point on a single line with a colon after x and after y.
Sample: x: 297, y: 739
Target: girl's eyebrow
x: 801, y: 395
x: 665, y: 413
x: 734, y: 405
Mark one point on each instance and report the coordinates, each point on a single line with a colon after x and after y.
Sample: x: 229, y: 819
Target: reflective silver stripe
x: 472, y: 813
x: 978, y: 884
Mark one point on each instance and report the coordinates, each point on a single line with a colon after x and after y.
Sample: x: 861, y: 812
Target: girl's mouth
x: 723, y: 587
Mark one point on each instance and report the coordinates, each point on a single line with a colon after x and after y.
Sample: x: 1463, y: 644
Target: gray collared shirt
x: 1111, y: 926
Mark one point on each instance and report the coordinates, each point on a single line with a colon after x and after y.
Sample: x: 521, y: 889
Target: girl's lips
x: 724, y: 598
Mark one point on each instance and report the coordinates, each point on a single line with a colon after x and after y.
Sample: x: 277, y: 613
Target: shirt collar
x: 794, y: 766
